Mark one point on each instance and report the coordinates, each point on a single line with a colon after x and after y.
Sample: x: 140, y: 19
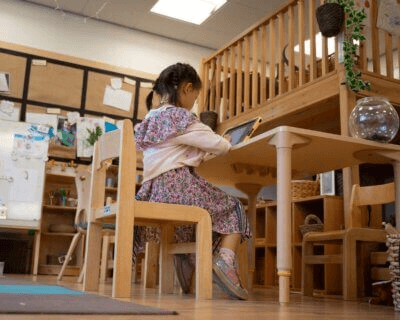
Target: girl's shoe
x: 184, y: 271
x: 227, y: 279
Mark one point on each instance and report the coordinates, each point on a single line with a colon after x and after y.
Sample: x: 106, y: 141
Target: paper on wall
x: 40, y: 118
x: 8, y: 112
x: 23, y: 188
x: 116, y: 83
x: 4, y: 82
x: 119, y: 99
x: 84, y: 149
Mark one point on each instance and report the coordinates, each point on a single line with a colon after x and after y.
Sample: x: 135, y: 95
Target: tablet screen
x: 241, y: 132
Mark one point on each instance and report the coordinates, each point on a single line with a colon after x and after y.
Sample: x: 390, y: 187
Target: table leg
x: 284, y: 142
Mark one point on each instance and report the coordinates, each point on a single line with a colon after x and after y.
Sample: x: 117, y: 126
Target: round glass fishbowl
x: 374, y: 118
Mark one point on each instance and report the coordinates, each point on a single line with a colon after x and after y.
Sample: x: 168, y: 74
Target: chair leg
x: 349, y: 268
x: 82, y: 273
x: 166, y: 260
x: 307, y: 279
x: 104, y: 257
x: 71, y: 249
x: 204, y: 259
x: 150, y: 265
x: 92, y: 257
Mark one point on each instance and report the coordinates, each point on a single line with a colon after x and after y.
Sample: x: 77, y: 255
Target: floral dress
x: 183, y: 185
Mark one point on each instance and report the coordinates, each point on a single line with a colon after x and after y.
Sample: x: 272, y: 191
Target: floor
x: 263, y: 304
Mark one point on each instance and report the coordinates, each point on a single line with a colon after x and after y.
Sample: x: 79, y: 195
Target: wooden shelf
x: 60, y: 178
x: 58, y: 234
x: 55, y: 269
x: 111, y: 189
x: 60, y: 208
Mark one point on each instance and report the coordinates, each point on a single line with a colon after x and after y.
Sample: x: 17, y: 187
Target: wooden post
x: 302, y: 78
x: 350, y: 175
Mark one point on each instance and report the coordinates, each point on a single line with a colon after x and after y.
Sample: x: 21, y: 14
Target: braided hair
x: 169, y: 80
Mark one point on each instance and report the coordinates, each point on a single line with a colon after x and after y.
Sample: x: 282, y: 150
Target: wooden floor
x: 263, y: 304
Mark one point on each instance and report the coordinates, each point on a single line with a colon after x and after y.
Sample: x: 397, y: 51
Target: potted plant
x: 352, y: 39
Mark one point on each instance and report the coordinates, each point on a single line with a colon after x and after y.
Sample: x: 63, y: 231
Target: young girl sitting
x: 174, y: 142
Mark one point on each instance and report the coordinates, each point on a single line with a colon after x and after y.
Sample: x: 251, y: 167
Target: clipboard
x: 243, y: 131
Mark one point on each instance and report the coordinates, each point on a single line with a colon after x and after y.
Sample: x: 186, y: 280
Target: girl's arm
x: 201, y: 136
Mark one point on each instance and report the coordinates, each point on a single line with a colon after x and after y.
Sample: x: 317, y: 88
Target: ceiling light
x: 193, y: 11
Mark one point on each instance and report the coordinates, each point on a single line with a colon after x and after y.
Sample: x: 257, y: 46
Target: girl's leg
x: 224, y: 267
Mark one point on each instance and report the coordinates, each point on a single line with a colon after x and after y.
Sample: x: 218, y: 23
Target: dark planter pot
x: 330, y: 18
x: 209, y: 118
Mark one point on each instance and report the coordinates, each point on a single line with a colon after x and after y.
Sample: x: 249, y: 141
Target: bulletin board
x: 43, y: 81
x: 15, y: 66
x: 56, y: 84
x: 97, y: 84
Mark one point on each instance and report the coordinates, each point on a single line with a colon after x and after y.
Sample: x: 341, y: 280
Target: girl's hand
x: 228, y: 137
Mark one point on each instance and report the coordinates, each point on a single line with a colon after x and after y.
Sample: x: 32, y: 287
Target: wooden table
x: 287, y: 153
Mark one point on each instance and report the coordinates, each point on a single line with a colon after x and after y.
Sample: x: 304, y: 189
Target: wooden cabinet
x: 328, y: 208
x: 57, y: 224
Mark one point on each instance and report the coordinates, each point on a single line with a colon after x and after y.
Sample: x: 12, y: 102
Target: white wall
x: 44, y: 28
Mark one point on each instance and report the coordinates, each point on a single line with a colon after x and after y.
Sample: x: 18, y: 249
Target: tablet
x: 243, y: 131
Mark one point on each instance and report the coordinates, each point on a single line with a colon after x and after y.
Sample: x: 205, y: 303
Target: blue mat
x: 25, y: 297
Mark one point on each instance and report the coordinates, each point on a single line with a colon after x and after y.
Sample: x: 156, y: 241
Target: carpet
x: 24, y: 297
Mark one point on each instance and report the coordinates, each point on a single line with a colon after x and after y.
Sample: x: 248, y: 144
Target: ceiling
x: 229, y: 21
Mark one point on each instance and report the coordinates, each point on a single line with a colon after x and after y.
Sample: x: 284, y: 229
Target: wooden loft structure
x: 299, y: 78
x: 306, y: 90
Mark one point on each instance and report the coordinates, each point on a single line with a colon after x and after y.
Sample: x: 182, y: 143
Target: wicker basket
x: 330, y: 17
x: 311, y: 223
x: 304, y: 188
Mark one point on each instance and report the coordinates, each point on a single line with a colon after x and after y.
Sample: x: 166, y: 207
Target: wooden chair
x: 82, y: 183
x: 127, y: 211
x: 359, y: 231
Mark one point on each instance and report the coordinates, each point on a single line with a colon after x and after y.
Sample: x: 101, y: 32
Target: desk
x: 287, y: 153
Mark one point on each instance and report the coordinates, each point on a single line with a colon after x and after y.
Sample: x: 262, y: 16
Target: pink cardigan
x: 187, y: 149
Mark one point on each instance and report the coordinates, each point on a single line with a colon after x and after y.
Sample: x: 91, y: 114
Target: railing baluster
x: 239, y: 85
x: 389, y: 55
x: 204, y: 92
x: 218, y: 87
x: 263, y: 71
x: 313, y: 66
x: 254, y: 89
x: 247, y: 74
x: 232, y: 83
x: 291, y: 48
x: 324, y: 59
x: 272, y: 59
x: 302, y: 78
x: 225, y: 86
x: 212, y: 94
x: 281, y: 42
x: 376, y: 63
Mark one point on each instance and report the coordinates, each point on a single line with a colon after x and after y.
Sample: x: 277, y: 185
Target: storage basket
x: 311, y: 223
x: 330, y: 17
x: 305, y: 188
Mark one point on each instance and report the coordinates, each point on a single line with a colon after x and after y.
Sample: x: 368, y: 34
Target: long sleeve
x: 201, y: 136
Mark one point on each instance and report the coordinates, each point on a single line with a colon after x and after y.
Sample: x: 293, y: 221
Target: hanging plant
x: 94, y: 135
x: 352, y: 39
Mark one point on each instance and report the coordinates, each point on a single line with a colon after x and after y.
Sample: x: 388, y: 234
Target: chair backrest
x: 82, y: 183
x: 373, y: 196
x: 115, y: 144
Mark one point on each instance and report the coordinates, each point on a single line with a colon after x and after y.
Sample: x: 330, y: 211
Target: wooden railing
x: 281, y: 54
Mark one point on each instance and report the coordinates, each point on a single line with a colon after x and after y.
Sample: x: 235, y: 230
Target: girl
x: 174, y: 142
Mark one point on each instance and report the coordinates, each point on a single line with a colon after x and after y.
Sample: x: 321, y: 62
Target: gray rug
x: 23, y: 297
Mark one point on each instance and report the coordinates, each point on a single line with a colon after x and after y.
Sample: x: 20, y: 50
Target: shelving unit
x: 55, y: 244
x: 328, y: 208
